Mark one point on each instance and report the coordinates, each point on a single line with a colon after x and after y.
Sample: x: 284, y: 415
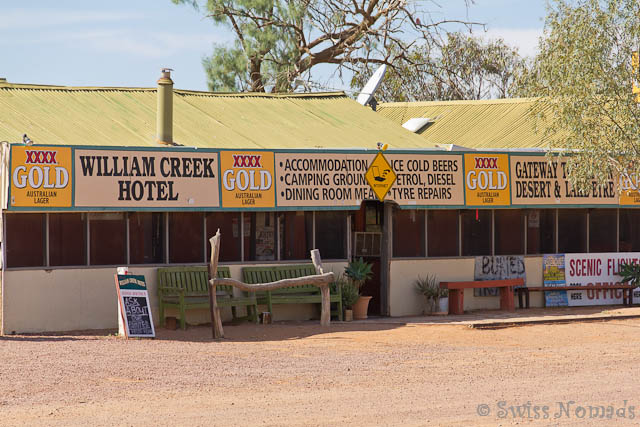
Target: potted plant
x: 350, y: 295
x: 630, y: 273
x: 358, y: 272
x: 435, y: 297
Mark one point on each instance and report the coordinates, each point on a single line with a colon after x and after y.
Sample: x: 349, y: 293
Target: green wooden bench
x: 187, y: 288
x: 292, y: 295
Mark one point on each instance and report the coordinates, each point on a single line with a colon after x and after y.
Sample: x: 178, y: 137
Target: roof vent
x: 417, y: 124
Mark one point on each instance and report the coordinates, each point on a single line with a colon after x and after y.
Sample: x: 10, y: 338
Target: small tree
x: 279, y: 42
x: 463, y: 67
x: 584, y: 78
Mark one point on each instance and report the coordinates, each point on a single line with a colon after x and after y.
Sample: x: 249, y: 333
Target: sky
x: 126, y: 43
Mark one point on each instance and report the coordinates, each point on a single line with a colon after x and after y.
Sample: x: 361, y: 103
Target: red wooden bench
x: 627, y: 291
x: 456, y: 292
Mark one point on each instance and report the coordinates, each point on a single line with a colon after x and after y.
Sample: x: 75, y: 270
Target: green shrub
x: 430, y: 287
x: 350, y: 294
x: 358, y: 271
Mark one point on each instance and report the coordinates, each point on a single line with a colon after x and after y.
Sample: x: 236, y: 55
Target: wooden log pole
x: 216, y: 321
x: 325, y: 290
x: 321, y: 280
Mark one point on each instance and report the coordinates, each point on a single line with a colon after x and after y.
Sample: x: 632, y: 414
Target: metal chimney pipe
x: 164, y: 113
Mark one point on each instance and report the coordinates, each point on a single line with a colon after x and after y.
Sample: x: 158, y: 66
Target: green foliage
x: 630, y: 273
x: 463, y: 67
x: 584, y: 78
x: 429, y: 286
x: 279, y: 42
x: 350, y: 294
x: 358, y: 271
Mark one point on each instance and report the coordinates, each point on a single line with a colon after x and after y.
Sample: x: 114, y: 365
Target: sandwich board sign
x: 134, y: 310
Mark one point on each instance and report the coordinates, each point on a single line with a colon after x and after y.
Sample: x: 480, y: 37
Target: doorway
x: 368, y: 231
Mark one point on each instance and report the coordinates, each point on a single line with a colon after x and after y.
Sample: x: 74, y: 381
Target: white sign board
x: 596, y: 269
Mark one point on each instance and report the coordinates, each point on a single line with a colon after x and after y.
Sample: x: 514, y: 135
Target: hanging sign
x: 134, y: 306
x: 40, y: 176
x: 247, y: 179
x: 106, y: 178
x: 487, y: 179
x: 380, y: 176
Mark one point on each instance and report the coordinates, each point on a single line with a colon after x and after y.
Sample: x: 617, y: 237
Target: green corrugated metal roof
x: 127, y: 117
x: 502, y: 123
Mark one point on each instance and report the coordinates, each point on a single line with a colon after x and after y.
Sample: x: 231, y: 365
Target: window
x: 186, y: 237
x: 331, y: 234
x: 476, y: 232
x: 572, y: 230
x: 67, y: 239
x: 602, y: 230
x: 108, y: 238
x: 629, y: 230
x: 541, y: 225
x: 259, y: 236
x: 296, y: 240
x: 146, y: 238
x: 229, y: 225
x: 25, y: 240
x: 442, y: 233
x: 408, y: 233
x: 509, y: 238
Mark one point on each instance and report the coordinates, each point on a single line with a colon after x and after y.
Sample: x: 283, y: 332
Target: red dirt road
x: 300, y: 374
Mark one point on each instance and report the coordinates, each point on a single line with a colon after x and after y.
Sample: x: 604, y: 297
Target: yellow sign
x: 380, y: 176
x: 247, y: 179
x: 40, y: 176
x: 486, y: 179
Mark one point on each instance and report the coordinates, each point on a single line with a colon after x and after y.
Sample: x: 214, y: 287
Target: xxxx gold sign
x: 40, y: 176
x: 487, y: 179
x: 247, y: 179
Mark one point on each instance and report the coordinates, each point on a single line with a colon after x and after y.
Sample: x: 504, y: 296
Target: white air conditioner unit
x: 367, y: 244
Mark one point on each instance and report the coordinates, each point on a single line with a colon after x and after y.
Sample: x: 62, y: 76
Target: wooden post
x: 325, y: 315
x: 216, y: 321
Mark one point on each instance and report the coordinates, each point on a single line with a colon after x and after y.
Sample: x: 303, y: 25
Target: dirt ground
x: 351, y: 374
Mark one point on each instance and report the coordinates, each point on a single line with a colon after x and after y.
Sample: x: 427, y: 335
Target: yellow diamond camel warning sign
x: 380, y: 176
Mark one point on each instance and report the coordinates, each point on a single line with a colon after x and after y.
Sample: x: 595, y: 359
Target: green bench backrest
x: 253, y: 275
x: 194, y: 280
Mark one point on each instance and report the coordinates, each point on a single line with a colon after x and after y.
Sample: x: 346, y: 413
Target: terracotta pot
x: 348, y: 315
x: 361, y: 307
